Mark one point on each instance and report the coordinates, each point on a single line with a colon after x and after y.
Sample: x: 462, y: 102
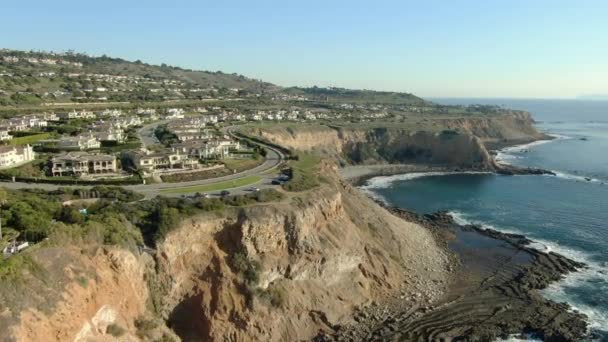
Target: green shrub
x: 275, y: 295
x: 115, y: 330
x: 247, y: 267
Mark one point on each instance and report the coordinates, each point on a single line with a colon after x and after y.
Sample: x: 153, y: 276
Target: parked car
x: 276, y: 182
x: 254, y: 189
x: 224, y: 193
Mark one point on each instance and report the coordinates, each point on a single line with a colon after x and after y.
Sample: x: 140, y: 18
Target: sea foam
x: 382, y: 182
x: 558, y: 291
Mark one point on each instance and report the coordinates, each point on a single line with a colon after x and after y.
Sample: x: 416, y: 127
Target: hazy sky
x: 485, y: 48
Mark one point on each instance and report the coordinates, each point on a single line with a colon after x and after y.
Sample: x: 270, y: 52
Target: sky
x: 449, y: 48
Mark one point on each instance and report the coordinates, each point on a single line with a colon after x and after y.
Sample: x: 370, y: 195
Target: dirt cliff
x: 320, y: 256
x: 74, y: 293
x: 455, y: 142
x: 272, y: 272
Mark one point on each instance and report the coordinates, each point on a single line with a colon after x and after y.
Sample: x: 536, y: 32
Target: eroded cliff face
x: 495, y: 131
x: 318, y: 256
x: 76, y: 295
x: 452, y: 142
x: 322, y: 254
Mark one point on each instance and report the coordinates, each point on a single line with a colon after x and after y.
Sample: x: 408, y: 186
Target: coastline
x: 494, y: 292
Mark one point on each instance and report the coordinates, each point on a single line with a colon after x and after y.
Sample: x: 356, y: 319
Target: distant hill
x: 34, y: 77
x: 355, y: 96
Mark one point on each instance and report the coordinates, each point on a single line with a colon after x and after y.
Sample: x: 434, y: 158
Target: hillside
x: 355, y: 96
x: 37, y: 77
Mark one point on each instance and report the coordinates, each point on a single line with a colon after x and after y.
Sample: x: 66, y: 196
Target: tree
x: 24, y: 218
x: 70, y: 215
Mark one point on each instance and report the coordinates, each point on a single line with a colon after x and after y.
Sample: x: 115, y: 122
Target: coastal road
x: 273, y: 159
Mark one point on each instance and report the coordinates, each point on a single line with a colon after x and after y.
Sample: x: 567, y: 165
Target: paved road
x: 146, y: 133
x: 273, y: 159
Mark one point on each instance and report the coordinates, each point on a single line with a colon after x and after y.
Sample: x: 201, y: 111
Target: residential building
x: 11, y: 156
x: 83, y: 114
x: 4, y: 134
x: 213, y: 148
x: 81, y: 142
x: 161, y: 160
x: 175, y: 113
x: 83, y: 163
x: 109, y: 133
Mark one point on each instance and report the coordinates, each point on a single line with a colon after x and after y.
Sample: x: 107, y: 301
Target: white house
x: 11, y: 156
x: 161, y: 160
x: 4, y: 136
x: 81, y: 142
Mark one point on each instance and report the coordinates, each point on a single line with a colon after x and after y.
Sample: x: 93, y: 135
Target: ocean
x: 567, y: 213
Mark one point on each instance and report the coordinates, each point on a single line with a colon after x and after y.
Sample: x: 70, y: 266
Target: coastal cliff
x: 452, y: 142
x: 278, y: 271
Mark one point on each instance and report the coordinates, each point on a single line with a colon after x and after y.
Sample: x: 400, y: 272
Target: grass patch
x: 216, y: 186
x: 33, y: 169
x: 83, y: 281
x: 303, y: 173
x: 305, y: 162
x: 13, y: 267
x: 242, y: 164
x: 29, y: 139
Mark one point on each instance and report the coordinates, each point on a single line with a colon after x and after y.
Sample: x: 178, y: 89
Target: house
x: 187, y: 136
x: 212, y: 148
x: 175, y: 113
x: 4, y: 136
x: 83, y: 114
x: 109, y: 133
x: 161, y: 160
x: 114, y: 113
x: 83, y: 163
x: 81, y: 142
x: 11, y: 156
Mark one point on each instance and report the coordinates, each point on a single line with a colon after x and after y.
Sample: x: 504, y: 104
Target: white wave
x: 557, y: 291
x: 578, y: 178
x: 374, y: 195
x: 461, y: 219
x: 382, y: 182
x: 505, y: 154
x: 518, y: 338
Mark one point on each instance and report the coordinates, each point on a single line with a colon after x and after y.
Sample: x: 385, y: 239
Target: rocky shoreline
x: 493, y: 293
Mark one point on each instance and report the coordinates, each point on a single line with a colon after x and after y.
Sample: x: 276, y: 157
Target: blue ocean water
x: 567, y: 213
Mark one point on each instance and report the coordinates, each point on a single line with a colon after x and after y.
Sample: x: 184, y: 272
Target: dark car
x: 225, y: 193
x: 276, y: 182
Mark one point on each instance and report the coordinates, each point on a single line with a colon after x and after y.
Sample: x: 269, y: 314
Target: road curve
x: 274, y: 157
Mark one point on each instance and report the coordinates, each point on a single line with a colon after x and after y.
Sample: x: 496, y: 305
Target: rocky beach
x: 492, y: 294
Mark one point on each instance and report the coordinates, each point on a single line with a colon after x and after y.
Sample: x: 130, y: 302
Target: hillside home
x: 11, y: 156
x: 215, y: 148
x: 161, y: 160
x: 4, y: 135
x: 81, y: 142
x: 83, y: 114
x: 83, y: 163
